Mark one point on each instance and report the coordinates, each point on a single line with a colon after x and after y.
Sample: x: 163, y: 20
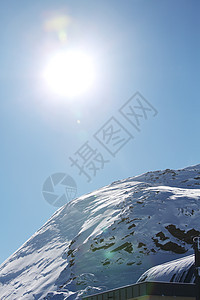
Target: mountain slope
x: 107, y: 238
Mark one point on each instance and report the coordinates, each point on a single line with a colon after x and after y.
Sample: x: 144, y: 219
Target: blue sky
x: 147, y: 46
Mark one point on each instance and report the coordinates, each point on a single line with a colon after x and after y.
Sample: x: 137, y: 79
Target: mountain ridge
x: 123, y: 228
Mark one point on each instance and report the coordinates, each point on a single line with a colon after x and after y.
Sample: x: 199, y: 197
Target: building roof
x: 179, y: 270
x: 141, y: 289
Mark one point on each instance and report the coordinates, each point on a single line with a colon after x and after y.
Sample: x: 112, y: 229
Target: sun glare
x: 69, y: 73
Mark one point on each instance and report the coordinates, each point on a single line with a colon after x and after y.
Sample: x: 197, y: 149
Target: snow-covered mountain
x: 107, y: 238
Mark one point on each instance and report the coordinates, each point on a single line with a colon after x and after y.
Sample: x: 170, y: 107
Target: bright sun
x: 69, y: 73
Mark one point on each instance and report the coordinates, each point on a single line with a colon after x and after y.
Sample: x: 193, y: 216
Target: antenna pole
x: 196, y: 245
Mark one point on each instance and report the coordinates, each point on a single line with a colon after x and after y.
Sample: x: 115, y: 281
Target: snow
x: 108, y: 238
x: 173, y: 271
